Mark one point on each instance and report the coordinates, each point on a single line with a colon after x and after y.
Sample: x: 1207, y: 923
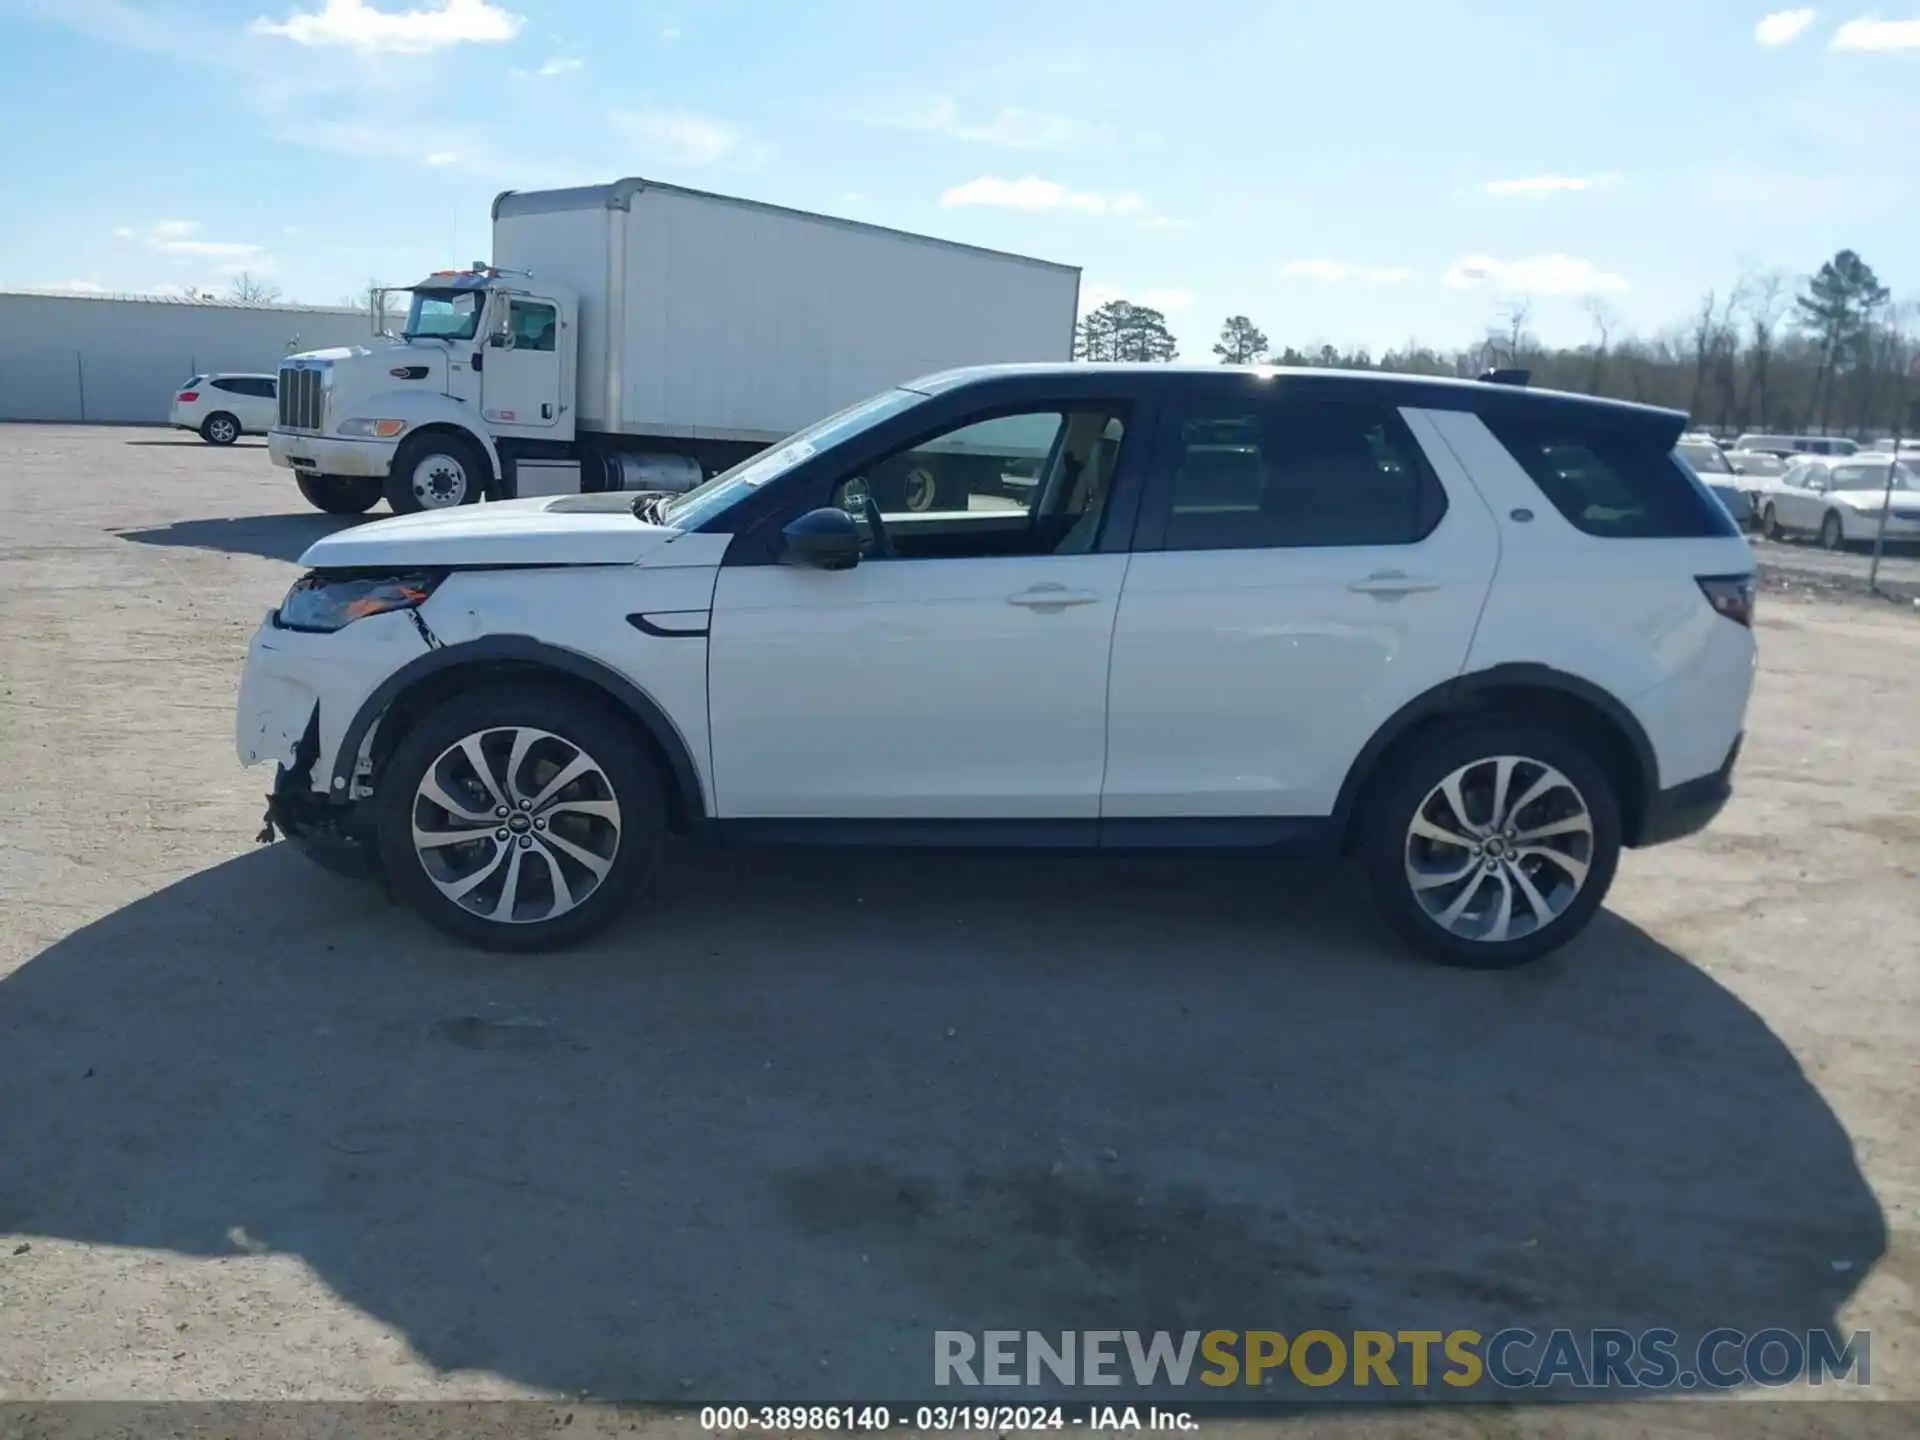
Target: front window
x: 445, y: 314
x: 713, y: 498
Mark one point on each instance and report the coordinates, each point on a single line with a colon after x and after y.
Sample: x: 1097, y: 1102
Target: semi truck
x: 640, y: 336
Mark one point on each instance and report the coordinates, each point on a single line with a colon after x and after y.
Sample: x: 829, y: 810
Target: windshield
x: 716, y: 496
x: 1705, y: 459
x: 1874, y: 476
x: 445, y: 314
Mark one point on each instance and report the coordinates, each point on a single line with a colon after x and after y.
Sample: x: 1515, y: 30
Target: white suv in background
x: 1476, y: 637
x: 224, y: 407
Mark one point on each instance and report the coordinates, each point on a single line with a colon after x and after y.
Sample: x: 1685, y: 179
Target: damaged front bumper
x: 336, y: 837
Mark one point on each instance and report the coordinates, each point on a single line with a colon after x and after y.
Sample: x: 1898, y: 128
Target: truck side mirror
x: 825, y: 539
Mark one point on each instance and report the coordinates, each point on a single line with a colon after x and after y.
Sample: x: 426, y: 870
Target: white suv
x: 1476, y: 636
x: 222, y: 408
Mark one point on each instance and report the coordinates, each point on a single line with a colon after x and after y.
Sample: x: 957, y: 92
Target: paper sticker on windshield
x: 778, y: 463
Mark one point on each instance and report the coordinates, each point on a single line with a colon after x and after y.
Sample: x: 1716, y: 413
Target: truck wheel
x: 436, y: 471
x: 340, y: 494
x: 220, y: 428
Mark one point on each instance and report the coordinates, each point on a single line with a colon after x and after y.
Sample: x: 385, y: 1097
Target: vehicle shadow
x: 243, y: 443
x: 274, y: 537
x: 806, y: 1108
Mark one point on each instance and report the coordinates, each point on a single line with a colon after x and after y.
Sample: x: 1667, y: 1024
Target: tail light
x: 187, y: 397
x: 1729, y: 595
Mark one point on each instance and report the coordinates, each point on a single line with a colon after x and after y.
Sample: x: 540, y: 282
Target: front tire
x: 518, y: 817
x: 1770, y: 525
x: 340, y: 494
x: 220, y: 428
x: 1833, y: 532
x: 436, y: 471
x: 1491, y: 844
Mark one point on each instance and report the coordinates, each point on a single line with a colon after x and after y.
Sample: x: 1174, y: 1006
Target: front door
x: 1301, y: 571
x: 520, y: 379
x: 961, y: 676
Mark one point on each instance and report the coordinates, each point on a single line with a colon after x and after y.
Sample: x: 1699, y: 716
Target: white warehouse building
x: 118, y: 359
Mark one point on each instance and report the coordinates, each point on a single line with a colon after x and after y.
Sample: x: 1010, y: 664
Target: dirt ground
x: 263, y: 1136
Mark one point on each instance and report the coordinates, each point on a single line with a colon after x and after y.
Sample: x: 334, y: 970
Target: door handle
x: 1391, y: 585
x: 1050, y: 596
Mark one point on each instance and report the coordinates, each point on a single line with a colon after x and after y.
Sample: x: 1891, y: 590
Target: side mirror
x: 826, y: 539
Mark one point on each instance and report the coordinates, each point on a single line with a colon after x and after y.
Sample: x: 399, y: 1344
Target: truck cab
x: 480, y: 376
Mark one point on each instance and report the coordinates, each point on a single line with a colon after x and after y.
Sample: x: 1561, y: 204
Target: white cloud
x: 678, y: 139
x: 1011, y: 126
x: 442, y: 158
x: 1030, y: 192
x: 180, y: 239
x: 669, y: 33
x: 435, y: 25
x: 1783, y: 27
x: 213, y: 249
x: 1334, y: 272
x: 1169, y: 301
x: 1870, y: 32
x: 1534, y: 275
x: 1538, y: 186
x: 70, y: 287
x: 1168, y: 222
x: 561, y: 65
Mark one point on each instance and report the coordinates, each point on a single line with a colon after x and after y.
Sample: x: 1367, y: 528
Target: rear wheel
x: 340, y: 494
x: 1770, y: 525
x: 1833, y: 533
x: 519, y: 817
x: 436, y: 471
x: 220, y: 428
x: 1491, y: 844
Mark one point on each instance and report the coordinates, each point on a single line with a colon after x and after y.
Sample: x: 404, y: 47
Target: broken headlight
x: 326, y: 600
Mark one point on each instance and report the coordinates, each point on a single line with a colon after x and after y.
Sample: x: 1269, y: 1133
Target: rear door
x: 1302, y: 569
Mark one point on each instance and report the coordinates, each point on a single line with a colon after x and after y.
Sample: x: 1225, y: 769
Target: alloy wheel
x: 516, y: 825
x: 222, y: 431
x: 1499, y: 848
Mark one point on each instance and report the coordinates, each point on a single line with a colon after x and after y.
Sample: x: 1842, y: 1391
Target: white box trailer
x: 638, y: 335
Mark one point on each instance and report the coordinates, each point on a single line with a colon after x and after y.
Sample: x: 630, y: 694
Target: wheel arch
x: 431, y: 679
x: 1538, y: 692
x: 457, y: 431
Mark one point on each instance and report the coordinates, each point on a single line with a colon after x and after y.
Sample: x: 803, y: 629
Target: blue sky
x: 1353, y: 171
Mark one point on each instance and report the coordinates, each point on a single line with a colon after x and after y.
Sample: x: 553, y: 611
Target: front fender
x: 421, y: 408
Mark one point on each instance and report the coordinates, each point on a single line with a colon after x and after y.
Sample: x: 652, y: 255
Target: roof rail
x: 1506, y: 377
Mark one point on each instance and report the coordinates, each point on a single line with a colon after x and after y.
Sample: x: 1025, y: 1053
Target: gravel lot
x: 262, y: 1135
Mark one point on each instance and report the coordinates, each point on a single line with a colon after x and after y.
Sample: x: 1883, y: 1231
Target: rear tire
x: 1485, y: 898
x: 340, y: 494
x: 220, y: 428
x: 1833, y: 532
x: 1770, y: 525
x: 574, y: 853
x: 436, y: 471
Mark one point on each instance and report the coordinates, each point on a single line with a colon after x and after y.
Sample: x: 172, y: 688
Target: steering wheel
x: 882, y: 542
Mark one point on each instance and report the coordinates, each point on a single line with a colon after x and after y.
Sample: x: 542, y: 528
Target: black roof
x: 1425, y: 392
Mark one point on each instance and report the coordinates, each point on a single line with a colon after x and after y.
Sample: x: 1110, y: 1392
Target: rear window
x: 1611, y: 480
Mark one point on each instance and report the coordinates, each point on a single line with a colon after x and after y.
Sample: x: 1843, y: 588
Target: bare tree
x: 245, y: 290
x: 1510, y: 338
x: 1605, y: 319
x: 1766, y: 302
